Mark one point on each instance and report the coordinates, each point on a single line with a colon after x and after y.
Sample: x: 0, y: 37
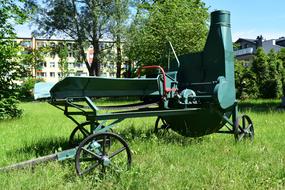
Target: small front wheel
x: 163, y: 127
x: 244, y: 128
x: 102, y: 152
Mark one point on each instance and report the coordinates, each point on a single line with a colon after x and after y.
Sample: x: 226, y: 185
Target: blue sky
x: 250, y: 18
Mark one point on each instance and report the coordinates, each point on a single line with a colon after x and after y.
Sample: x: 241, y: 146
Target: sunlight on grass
x: 159, y: 162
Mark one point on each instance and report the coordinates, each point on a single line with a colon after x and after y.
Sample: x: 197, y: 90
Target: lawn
x: 165, y: 162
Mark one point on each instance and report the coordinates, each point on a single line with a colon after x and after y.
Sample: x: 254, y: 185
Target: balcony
x: 246, y: 51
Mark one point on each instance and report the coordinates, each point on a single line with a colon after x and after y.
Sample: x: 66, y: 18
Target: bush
x: 26, y: 88
x: 9, y: 109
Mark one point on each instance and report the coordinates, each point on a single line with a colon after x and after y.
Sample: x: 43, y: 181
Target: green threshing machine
x: 195, y: 97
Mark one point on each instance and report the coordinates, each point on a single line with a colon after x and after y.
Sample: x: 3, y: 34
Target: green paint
x: 66, y: 154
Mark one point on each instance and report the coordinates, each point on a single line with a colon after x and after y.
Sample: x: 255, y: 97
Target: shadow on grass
x: 43, y: 147
x: 261, y: 106
x: 132, y: 134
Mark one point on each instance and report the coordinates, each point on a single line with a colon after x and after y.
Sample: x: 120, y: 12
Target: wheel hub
x: 106, y: 161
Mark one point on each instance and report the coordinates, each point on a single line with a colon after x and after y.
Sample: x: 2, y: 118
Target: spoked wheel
x: 244, y: 128
x: 102, y: 152
x: 79, y: 133
x: 163, y: 127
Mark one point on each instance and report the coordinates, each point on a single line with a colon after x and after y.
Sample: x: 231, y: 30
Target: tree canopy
x: 85, y: 21
x: 182, y: 22
x: 11, y: 12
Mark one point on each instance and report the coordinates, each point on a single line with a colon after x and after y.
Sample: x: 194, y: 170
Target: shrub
x: 9, y: 109
x: 26, y: 88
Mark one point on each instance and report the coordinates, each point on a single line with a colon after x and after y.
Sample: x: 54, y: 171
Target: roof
x: 244, y: 39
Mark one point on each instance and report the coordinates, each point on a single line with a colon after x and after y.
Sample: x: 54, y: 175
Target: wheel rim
x: 102, y: 152
x: 163, y: 127
x: 79, y: 133
x: 244, y: 128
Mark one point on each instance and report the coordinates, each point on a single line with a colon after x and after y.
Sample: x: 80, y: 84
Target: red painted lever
x: 165, y: 89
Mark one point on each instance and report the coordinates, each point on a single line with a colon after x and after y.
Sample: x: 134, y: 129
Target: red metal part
x: 165, y: 89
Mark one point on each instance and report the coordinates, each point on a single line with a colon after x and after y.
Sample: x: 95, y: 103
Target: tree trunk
x: 95, y: 66
x: 119, y: 56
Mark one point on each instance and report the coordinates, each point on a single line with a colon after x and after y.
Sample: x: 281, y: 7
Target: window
x: 26, y: 43
x: 81, y: 73
x: 41, y: 44
x: 52, y: 44
x: 51, y: 64
x: 69, y: 46
x: 52, y: 74
x: 41, y: 74
x: 52, y: 54
x: 44, y: 64
x: 59, y: 74
x: 78, y: 65
x: 70, y: 54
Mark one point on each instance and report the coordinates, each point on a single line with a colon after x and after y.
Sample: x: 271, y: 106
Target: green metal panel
x: 196, y: 123
x: 105, y: 87
x: 218, y: 60
x: 215, y: 63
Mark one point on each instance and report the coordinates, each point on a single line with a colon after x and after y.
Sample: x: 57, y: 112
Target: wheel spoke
x: 117, y: 152
x: 104, y: 145
x: 92, y: 153
x: 248, y: 129
x: 84, y: 131
x: 241, y: 136
x: 92, y: 167
x: 86, y: 159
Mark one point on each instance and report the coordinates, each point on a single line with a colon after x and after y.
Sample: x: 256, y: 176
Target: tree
x: 33, y: 58
x: 10, y: 68
x: 260, y: 68
x: 274, y: 83
x: 61, y: 50
x: 183, y: 22
x: 245, y: 81
x: 119, y: 17
x: 85, y: 21
x: 281, y: 57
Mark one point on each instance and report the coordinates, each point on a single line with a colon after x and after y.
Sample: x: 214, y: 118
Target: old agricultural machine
x: 195, y: 97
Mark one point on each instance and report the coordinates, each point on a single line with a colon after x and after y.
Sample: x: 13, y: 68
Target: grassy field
x: 168, y: 162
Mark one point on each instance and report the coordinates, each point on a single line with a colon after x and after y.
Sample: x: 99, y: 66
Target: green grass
x: 168, y: 162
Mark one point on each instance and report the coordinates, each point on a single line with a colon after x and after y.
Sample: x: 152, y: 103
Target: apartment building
x: 50, y: 71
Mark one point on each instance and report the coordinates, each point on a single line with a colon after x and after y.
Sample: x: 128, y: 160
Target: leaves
x: 264, y: 78
x: 182, y: 22
x: 10, y: 68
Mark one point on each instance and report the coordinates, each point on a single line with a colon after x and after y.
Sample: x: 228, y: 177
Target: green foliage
x: 10, y: 70
x: 260, y: 68
x: 183, y: 22
x: 33, y: 58
x: 245, y: 80
x: 26, y: 88
x: 281, y: 57
x: 11, y: 12
x: 61, y: 50
x: 9, y: 108
x: 85, y: 21
x: 263, y: 78
x: 163, y: 162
